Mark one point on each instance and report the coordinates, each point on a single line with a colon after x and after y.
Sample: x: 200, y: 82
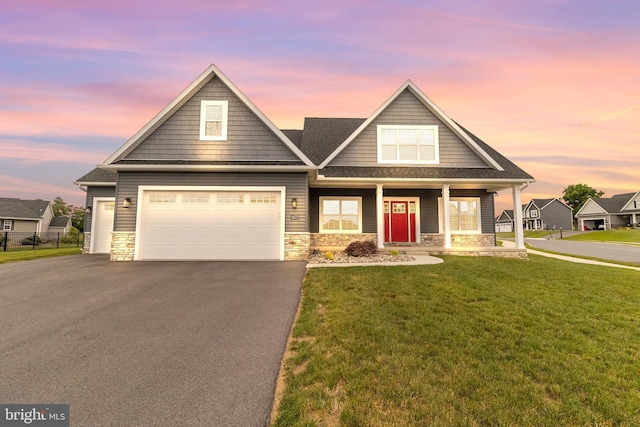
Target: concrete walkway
x: 510, y: 244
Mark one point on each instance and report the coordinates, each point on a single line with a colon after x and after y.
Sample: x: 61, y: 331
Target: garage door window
x: 261, y: 199
x: 230, y: 198
x: 195, y: 199
x: 162, y: 198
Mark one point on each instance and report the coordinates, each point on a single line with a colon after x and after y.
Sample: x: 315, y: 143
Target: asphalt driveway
x: 146, y: 343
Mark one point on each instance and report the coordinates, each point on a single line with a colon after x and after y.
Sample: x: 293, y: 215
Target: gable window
x: 213, y: 120
x: 340, y: 214
x: 408, y: 144
x: 6, y: 226
x: 464, y: 215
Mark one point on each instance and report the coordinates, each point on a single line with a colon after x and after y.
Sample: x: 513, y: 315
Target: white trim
x: 208, y: 74
x: 225, y: 168
x: 380, y: 215
x: 341, y: 199
x: 628, y: 204
x: 183, y: 188
x: 4, y: 224
x: 442, y: 217
x: 94, y: 204
x: 398, y: 161
x: 415, y: 200
x: 203, y: 120
x: 434, y: 109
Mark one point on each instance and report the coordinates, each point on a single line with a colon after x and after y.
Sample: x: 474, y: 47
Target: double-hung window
x: 213, y: 120
x: 464, y: 215
x: 6, y: 226
x: 408, y: 144
x: 340, y: 214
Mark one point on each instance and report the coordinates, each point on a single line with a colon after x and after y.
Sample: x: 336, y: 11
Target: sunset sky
x: 552, y: 84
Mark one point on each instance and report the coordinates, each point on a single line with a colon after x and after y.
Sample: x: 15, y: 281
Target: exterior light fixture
x: 126, y: 203
x: 88, y: 210
x: 294, y: 203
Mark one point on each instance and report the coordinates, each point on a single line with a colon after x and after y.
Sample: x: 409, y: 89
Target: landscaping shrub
x: 328, y: 255
x: 71, y: 237
x: 29, y: 240
x: 361, y: 248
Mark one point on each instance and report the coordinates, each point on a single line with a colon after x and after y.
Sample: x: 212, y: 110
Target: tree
x: 62, y: 208
x: 576, y: 195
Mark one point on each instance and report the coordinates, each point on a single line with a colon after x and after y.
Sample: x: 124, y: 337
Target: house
x: 606, y: 213
x: 60, y: 224
x: 504, y: 221
x: 547, y: 214
x: 27, y: 216
x: 211, y: 177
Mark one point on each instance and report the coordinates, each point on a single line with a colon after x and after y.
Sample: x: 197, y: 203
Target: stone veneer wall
x: 459, y: 240
x: 339, y: 240
x: 86, y: 243
x: 296, y: 246
x: 123, y: 245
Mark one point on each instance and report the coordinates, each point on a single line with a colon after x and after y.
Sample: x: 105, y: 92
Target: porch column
x: 380, y: 216
x: 517, y: 217
x: 446, y: 220
x: 634, y: 221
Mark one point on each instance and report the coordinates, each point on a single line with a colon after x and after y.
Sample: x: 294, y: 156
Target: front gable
x: 591, y: 207
x: 410, y: 121
x: 633, y: 204
x: 245, y: 138
x: 236, y: 130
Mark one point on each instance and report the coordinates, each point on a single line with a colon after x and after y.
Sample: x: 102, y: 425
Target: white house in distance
x: 606, y: 213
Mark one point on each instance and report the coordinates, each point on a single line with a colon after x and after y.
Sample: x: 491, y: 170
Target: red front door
x: 400, y: 221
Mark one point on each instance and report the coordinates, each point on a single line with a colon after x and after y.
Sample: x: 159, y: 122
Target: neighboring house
x: 60, y: 224
x: 28, y: 216
x: 606, y: 213
x: 547, y: 214
x: 539, y: 214
x: 211, y: 177
x: 504, y: 221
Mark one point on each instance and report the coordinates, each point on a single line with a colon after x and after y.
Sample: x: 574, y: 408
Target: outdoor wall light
x: 294, y: 203
x: 126, y: 203
x: 88, y: 210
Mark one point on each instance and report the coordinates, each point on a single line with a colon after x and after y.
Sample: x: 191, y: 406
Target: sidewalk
x: 510, y: 244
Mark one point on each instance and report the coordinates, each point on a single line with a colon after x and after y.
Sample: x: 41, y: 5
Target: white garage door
x: 210, y: 225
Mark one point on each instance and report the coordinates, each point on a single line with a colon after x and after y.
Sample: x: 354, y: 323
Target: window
x: 263, y: 199
x: 6, y: 226
x: 534, y: 214
x: 213, y: 120
x: 464, y: 215
x: 162, y: 199
x: 340, y: 215
x: 230, y: 198
x: 408, y: 144
x: 195, y: 199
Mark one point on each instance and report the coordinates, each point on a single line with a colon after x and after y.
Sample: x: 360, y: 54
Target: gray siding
x: 429, y: 221
x: 96, y: 192
x: 296, y: 186
x: 368, y: 206
x: 248, y: 138
x: 486, y: 207
x: 406, y: 109
x: 557, y: 215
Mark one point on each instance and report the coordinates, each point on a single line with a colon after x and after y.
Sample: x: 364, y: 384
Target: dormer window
x: 213, y: 120
x: 408, y: 144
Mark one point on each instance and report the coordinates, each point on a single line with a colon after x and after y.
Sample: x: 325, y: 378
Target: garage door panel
x: 210, y: 225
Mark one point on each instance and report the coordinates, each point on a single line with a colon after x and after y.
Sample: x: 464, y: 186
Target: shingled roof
x: 22, y: 209
x: 615, y: 203
x: 322, y: 136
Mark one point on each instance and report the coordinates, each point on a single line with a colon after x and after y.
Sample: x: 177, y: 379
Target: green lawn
x: 471, y: 342
x: 618, y: 235
x: 35, y: 254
